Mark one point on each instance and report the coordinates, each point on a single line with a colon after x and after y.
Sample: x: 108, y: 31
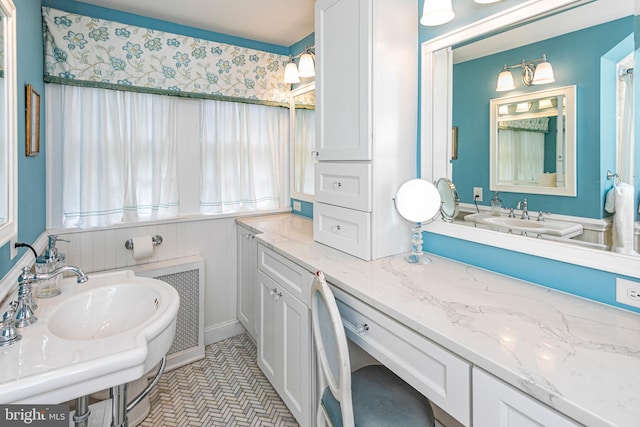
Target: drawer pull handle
x: 337, y: 184
x: 362, y: 328
x: 278, y: 295
x: 336, y: 228
x: 248, y: 236
x: 273, y: 291
x: 315, y: 153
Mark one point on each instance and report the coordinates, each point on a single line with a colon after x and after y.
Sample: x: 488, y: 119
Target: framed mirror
x: 558, y: 24
x: 532, y: 143
x: 8, y: 124
x: 302, y: 134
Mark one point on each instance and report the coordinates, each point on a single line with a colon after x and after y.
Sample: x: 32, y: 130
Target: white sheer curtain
x: 625, y: 151
x: 520, y: 155
x: 243, y: 156
x: 305, y: 129
x: 116, y: 154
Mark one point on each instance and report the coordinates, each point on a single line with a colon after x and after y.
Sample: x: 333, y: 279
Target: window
x: 117, y: 156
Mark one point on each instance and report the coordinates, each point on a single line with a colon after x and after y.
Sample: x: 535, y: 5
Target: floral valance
x: 539, y: 124
x: 89, y: 51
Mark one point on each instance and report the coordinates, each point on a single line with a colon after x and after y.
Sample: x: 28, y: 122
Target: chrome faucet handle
x: 25, y: 305
x: 541, y: 216
x: 8, y: 332
x: 512, y: 213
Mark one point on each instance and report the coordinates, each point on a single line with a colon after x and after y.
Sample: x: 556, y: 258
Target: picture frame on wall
x: 33, y: 121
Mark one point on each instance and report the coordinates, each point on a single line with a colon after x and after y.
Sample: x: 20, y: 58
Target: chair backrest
x: 331, y: 345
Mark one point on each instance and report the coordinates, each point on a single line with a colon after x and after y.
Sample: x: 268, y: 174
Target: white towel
x: 620, y: 200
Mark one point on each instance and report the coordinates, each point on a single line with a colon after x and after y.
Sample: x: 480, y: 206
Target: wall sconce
x: 536, y: 72
x: 305, y: 68
x: 436, y: 12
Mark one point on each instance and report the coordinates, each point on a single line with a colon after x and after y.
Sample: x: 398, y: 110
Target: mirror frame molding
x: 569, y: 156
x: 292, y: 134
x: 9, y: 229
x: 436, y: 139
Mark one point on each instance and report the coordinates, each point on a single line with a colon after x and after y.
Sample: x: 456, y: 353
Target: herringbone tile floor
x: 226, y: 388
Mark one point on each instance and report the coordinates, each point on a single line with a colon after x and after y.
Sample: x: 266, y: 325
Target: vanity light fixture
x: 436, y: 12
x: 503, y: 110
x: 536, y: 72
x: 523, y: 107
x: 291, y: 72
x: 305, y: 68
x: 545, y: 103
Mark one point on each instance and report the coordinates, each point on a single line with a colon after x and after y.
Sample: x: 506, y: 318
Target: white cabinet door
x: 296, y: 357
x: 342, y: 80
x: 247, y: 285
x: 497, y: 404
x: 270, y: 334
x: 284, y: 347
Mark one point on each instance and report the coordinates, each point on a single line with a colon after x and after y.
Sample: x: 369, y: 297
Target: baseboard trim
x: 222, y: 331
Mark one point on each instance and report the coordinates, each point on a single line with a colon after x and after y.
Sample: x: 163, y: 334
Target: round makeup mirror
x: 417, y: 201
x: 450, y: 200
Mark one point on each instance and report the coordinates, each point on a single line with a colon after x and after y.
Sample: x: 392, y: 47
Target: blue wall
x: 474, y: 86
x: 31, y: 170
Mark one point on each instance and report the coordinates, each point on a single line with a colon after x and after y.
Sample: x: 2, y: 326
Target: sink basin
x: 104, y: 312
x: 108, y: 331
x: 530, y: 227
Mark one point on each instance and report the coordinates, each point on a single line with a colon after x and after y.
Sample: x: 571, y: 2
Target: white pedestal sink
x: 108, y: 331
x: 530, y: 227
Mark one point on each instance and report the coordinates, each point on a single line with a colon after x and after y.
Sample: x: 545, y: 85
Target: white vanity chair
x: 370, y: 396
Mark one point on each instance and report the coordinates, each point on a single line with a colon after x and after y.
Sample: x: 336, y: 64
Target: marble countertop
x: 578, y: 356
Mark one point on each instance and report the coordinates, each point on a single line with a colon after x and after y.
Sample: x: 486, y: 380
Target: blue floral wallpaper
x: 96, y: 52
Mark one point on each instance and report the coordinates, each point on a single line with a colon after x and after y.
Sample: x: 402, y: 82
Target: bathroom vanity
x: 488, y: 349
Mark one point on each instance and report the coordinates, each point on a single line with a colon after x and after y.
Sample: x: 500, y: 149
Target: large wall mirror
x: 8, y: 123
x: 303, y: 128
x: 589, y: 44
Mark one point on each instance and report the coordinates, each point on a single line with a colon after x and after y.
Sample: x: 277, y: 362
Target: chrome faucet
x: 525, y: 209
x: 8, y: 332
x: 81, y: 277
x: 25, y: 306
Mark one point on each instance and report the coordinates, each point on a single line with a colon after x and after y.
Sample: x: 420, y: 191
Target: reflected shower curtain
x: 625, y: 154
x: 520, y: 155
x: 305, y: 129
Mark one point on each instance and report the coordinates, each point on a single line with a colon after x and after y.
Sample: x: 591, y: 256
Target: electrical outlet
x: 297, y: 206
x: 628, y: 292
x: 477, y: 194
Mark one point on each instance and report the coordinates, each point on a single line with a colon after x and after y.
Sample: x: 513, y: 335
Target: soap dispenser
x: 47, y: 263
x: 496, y: 204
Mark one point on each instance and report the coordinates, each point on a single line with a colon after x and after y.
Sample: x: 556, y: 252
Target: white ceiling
x: 281, y: 22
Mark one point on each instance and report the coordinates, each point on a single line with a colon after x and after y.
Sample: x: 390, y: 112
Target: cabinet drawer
x: 496, y: 404
x: 435, y: 372
x: 347, y: 230
x: 344, y: 184
x: 294, y: 278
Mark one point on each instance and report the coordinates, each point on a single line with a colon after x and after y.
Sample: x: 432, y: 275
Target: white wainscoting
x: 214, y: 239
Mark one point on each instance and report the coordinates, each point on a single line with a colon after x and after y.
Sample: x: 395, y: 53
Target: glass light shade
x: 544, y: 103
x: 505, y: 81
x: 503, y: 110
x: 291, y: 73
x: 306, y: 68
x: 523, y: 107
x: 543, y: 74
x: 436, y: 12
